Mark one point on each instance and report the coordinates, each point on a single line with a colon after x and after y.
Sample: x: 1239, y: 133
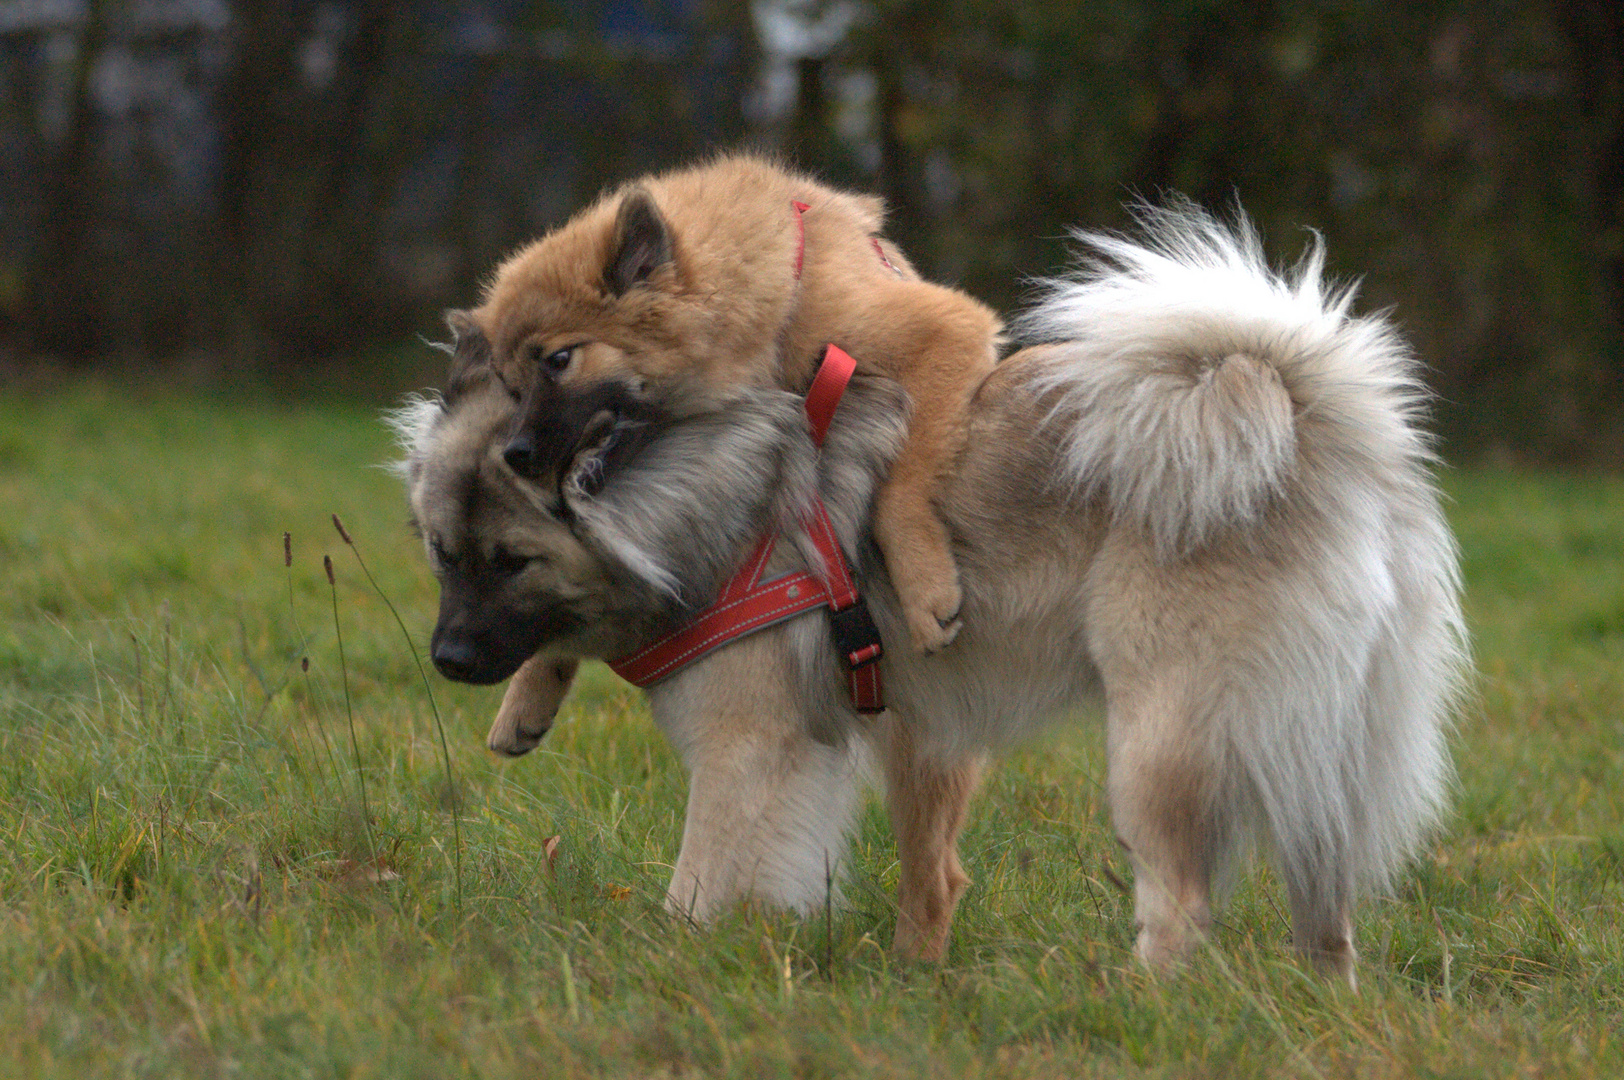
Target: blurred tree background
x: 274, y: 186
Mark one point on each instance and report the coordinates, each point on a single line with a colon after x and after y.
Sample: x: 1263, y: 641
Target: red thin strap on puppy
x: 828, y: 387
x: 800, y: 235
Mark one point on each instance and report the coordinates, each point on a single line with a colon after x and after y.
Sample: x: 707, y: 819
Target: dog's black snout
x: 456, y: 660
x: 521, y: 456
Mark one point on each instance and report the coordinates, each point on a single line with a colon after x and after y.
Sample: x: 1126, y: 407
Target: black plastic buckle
x: 857, y: 639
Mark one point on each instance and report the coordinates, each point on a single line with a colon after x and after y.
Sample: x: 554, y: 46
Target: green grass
x: 187, y: 888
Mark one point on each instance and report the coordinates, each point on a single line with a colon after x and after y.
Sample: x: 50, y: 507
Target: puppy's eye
x: 507, y: 562
x: 552, y: 364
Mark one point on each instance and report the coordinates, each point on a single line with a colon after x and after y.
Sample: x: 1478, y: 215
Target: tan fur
x: 928, y: 800
x: 728, y: 310
x: 529, y: 705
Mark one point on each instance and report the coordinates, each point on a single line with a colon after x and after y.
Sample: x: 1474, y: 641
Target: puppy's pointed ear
x: 470, y: 354
x: 642, y: 243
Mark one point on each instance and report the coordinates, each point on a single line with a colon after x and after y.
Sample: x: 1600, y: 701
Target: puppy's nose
x: 456, y: 660
x: 521, y: 456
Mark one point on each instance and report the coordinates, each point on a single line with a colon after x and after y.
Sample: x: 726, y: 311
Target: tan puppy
x: 698, y: 284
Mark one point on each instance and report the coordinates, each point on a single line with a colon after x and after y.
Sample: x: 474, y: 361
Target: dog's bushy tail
x: 1206, y: 400
x: 1188, y: 369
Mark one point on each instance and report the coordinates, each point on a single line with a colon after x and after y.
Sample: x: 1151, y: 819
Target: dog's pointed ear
x: 642, y: 243
x: 470, y: 354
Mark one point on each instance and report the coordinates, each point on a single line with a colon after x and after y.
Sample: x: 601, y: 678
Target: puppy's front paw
x: 529, y: 705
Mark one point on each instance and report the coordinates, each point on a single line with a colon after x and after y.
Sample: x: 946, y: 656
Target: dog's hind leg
x: 927, y: 800
x: 1161, y: 783
x: 1322, y: 930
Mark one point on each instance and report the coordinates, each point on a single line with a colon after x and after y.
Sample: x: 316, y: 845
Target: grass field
x: 188, y: 885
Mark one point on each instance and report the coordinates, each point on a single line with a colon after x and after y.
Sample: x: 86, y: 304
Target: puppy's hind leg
x: 948, y: 342
x: 918, y: 554
x: 927, y: 800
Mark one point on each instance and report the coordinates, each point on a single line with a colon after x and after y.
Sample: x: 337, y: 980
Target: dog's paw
x: 933, y: 637
x: 920, y: 560
x: 529, y: 705
x: 933, y: 620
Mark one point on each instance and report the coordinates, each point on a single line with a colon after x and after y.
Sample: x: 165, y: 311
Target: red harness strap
x: 746, y: 604
x: 800, y: 208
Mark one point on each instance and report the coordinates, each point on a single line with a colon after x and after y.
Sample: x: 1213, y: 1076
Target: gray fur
x: 1209, y: 499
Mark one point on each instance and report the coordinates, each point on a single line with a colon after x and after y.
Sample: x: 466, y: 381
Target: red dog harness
x: 746, y: 604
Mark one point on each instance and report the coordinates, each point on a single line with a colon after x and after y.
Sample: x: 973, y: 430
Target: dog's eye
x: 507, y: 562
x: 552, y: 364
x: 443, y: 559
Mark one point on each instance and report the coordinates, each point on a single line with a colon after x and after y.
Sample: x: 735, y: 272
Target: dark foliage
x: 282, y: 184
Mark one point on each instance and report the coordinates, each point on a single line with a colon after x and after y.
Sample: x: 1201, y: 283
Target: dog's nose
x: 520, y: 456
x: 456, y: 660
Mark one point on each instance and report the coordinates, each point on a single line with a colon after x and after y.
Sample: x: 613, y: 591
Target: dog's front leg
x: 769, y: 808
x: 927, y: 799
